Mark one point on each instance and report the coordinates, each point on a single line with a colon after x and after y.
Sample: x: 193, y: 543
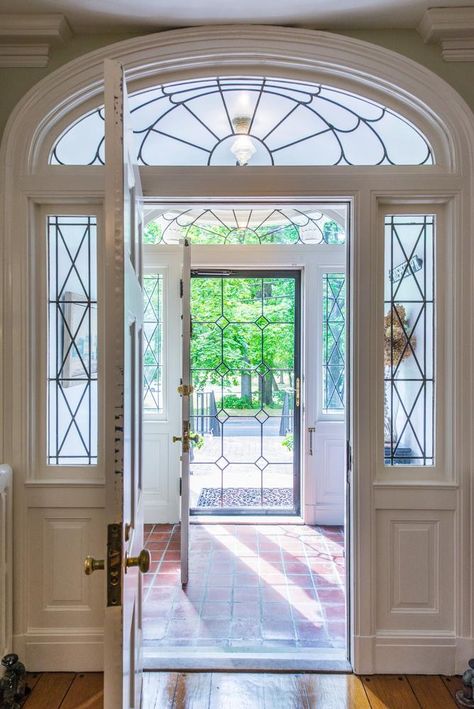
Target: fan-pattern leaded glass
x: 409, y: 333
x: 284, y: 225
x: 243, y: 368
x: 196, y: 122
x: 153, y: 344
x: 334, y: 341
x: 72, y: 340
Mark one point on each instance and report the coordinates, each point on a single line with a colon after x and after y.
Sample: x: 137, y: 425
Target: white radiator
x: 6, y: 559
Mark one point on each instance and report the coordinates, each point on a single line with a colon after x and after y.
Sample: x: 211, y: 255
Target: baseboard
x: 464, y: 653
x: 61, y: 650
x: 429, y: 653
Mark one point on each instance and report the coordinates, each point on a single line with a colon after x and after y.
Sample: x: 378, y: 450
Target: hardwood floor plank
x: 159, y: 689
x: 237, y: 691
x: 389, y: 692
x: 193, y: 690
x: 430, y: 691
x: 50, y: 690
x: 452, y: 684
x: 306, y: 691
x: 32, y: 679
x: 86, y: 692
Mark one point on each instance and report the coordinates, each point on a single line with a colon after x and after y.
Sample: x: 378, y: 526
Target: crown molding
x: 26, y: 40
x: 453, y: 29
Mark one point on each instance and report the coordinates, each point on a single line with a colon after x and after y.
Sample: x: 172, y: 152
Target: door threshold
x: 212, y: 659
x: 248, y: 519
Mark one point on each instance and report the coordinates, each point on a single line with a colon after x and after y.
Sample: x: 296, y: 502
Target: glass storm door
x: 245, y: 406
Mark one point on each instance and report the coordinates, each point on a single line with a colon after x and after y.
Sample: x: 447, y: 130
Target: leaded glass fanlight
x: 324, y: 224
x: 254, y: 120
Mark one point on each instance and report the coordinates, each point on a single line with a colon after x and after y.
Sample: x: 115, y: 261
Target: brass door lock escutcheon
x: 91, y: 565
x: 142, y: 561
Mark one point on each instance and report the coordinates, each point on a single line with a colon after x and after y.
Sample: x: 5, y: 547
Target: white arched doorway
x: 411, y: 595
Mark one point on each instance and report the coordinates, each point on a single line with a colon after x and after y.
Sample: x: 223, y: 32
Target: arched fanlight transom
x: 254, y: 121
x: 255, y: 225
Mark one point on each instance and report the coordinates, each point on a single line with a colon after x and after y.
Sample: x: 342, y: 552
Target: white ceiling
x: 149, y: 15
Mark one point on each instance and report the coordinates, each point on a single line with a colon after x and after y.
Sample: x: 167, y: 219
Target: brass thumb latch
x: 91, y: 565
x: 186, y: 437
x: 142, y: 561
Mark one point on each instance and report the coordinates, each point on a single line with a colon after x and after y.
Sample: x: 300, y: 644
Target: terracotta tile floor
x: 267, y: 586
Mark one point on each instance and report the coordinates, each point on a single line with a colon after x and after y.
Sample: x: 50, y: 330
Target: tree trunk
x: 246, y: 385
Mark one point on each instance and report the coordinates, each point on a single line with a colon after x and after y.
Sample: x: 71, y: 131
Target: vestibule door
x: 125, y: 560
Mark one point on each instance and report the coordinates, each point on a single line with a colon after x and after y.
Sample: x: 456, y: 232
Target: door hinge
x: 180, y: 487
x: 114, y: 565
x: 181, y: 288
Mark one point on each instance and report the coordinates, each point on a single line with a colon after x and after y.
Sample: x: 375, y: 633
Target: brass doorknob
x: 142, y: 561
x: 91, y: 565
x: 176, y: 439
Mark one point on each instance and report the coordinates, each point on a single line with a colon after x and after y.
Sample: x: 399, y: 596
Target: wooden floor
x: 172, y: 690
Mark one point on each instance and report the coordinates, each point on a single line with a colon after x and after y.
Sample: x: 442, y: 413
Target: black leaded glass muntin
x: 197, y: 122
x: 258, y: 225
x: 244, y: 365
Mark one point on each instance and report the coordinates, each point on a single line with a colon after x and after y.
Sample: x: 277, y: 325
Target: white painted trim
x: 71, y: 649
x: 25, y: 40
x: 400, y: 83
x: 453, y: 29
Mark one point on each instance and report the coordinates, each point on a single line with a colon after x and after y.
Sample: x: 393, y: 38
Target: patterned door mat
x: 246, y: 497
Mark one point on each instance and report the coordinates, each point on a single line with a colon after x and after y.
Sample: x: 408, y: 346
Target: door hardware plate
x: 114, y: 565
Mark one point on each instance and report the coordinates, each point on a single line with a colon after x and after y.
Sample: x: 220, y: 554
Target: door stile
x: 186, y: 392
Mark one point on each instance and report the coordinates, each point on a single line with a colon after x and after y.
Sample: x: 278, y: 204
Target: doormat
x: 246, y: 497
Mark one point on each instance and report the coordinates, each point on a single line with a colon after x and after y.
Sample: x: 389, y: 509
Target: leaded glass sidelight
x: 72, y: 340
x: 254, y: 120
x: 409, y: 340
x: 324, y: 224
x: 153, y: 344
x: 244, y: 367
x: 334, y: 342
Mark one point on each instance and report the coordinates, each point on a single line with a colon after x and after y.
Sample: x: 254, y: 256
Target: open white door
x: 186, y: 391
x: 126, y: 559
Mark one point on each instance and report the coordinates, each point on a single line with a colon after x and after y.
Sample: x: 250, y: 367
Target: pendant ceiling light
x: 243, y: 147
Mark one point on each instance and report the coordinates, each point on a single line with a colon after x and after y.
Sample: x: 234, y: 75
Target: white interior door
x: 185, y: 392
x: 123, y: 403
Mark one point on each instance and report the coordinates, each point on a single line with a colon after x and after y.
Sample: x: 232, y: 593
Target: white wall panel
x: 411, y: 548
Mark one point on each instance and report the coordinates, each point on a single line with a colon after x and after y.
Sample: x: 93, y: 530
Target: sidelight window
x: 409, y: 340
x: 72, y: 340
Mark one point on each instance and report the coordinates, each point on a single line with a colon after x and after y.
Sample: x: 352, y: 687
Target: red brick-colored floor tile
x: 279, y: 586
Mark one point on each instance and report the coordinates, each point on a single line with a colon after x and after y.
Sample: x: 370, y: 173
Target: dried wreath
x: 396, y: 339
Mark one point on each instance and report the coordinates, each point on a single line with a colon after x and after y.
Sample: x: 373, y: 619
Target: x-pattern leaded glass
x: 284, y: 225
x: 409, y: 333
x: 153, y: 344
x: 334, y: 341
x: 243, y: 362
x: 197, y: 122
x: 72, y: 340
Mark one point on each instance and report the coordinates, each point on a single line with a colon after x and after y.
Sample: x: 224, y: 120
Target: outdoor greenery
x: 214, y: 233
x: 242, y: 345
